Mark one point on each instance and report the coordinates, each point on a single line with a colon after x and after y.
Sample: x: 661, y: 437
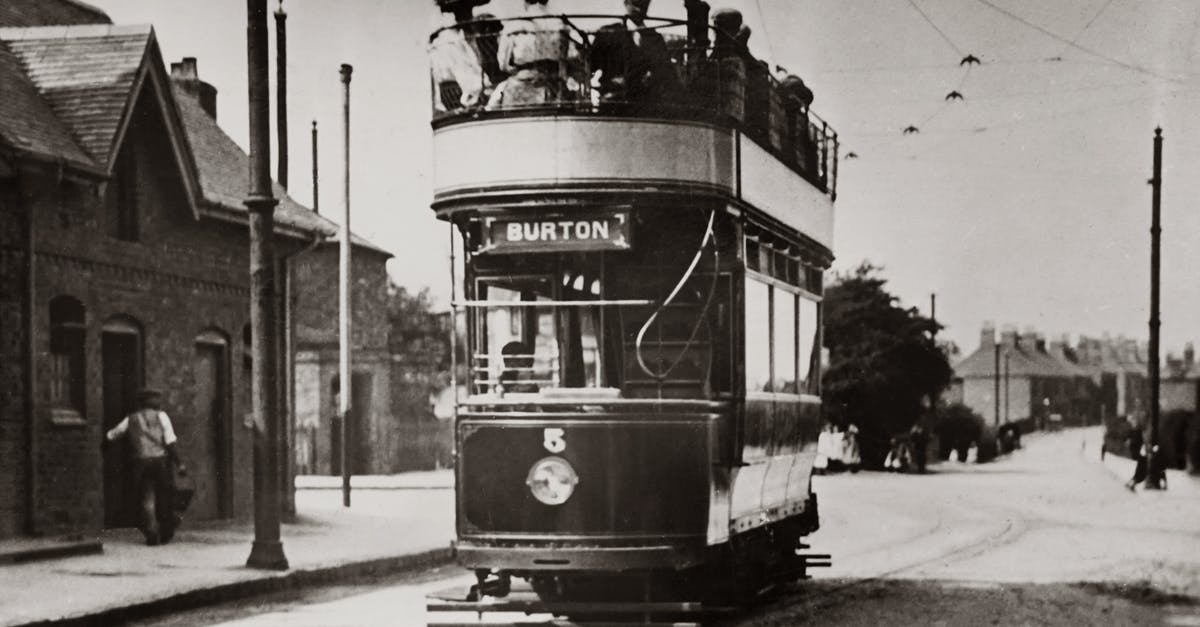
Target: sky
x: 1024, y: 203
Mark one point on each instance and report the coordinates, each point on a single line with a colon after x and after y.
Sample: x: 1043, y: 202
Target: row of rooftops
x: 1030, y: 354
x: 70, y: 79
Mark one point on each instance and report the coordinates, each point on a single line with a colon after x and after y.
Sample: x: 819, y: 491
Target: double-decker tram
x: 643, y: 214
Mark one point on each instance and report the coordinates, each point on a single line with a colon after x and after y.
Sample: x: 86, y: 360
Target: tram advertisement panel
x: 594, y: 230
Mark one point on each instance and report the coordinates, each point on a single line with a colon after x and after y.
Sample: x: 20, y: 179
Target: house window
x: 68, y: 336
x: 127, y: 221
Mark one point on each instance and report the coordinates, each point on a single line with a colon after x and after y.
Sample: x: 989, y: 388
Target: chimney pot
x: 185, y: 75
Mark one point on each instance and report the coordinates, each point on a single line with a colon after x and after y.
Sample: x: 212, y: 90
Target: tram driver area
x: 639, y: 296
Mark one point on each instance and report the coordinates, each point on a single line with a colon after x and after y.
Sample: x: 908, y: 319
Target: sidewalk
x: 406, y: 527
x: 1178, y: 481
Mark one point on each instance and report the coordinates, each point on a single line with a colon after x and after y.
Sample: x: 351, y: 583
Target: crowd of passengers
x: 543, y: 58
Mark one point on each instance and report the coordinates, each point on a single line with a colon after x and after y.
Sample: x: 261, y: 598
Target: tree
x: 883, y: 360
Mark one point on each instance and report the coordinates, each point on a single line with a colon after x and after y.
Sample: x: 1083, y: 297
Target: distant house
x: 1036, y: 382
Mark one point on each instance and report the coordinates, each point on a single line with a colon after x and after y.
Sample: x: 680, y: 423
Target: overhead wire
x: 932, y: 24
x: 1085, y: 28
x: 1084, y: 49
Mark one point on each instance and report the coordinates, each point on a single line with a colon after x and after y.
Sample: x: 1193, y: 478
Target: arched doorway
x: 122, y: 374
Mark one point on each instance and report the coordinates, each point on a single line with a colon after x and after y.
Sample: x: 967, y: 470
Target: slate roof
x: 86, y: 74
x: 223, y: 167
x: 25, y: 13
x: 27, y: 123
x: 1023, y: 361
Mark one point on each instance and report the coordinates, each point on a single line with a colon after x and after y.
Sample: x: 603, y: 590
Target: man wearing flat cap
x: 152, y: 445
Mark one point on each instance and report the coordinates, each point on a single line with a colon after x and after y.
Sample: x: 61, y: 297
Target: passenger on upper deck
x: 630, y: 61
x: 541, y: 58
x: 464, y: 56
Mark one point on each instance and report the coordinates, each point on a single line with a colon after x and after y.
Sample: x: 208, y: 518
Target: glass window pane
x: 809, y: 351
x: 758, y: 336
x: 785, y: 342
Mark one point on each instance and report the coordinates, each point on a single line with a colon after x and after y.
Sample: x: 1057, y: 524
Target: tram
x: 643, y: 214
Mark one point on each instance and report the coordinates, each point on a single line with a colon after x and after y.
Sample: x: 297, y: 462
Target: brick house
x: 123, y: 263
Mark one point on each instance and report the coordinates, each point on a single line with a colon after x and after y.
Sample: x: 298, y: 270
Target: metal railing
x: 607, y: 65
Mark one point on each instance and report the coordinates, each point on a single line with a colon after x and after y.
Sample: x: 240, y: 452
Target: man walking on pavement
x: 152, y: 445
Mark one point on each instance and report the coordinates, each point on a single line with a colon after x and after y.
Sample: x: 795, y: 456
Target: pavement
x: 394, y: 524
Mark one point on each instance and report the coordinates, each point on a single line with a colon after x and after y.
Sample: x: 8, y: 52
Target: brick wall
x: 315, y: 328
x: 183, y: 278
x: 13, y: 424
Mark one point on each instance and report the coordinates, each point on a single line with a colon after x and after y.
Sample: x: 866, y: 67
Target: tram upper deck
x: 569, y: 106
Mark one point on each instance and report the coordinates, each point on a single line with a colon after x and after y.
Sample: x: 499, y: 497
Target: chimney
x: 1189, y: 355
x: 987, y: 335
x: 1008, y: 336
x: 1040, y: 342
x: 183, y: 74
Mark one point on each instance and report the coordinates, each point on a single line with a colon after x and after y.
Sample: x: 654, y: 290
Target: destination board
x: 591, y: 231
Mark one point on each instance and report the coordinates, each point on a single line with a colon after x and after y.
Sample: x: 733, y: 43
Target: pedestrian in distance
x: 154, y: 461
x: 920, y: 444
x: 1137, y: 452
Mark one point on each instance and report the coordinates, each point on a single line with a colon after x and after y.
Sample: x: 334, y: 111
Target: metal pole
x: 1155, y: 478
x: 267, y: 550
x: 316, y: 197
x: 281, y: 92
x: 996, y: 382
x: 1007, y: 360
x: 344, y: 299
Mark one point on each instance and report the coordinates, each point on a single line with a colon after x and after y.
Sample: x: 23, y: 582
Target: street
x: 1047, y: 536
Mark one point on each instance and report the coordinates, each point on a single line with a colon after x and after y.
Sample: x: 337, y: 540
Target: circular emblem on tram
x: 552, y: 480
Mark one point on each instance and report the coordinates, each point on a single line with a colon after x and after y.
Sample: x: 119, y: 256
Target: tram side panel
x: 778, y: 449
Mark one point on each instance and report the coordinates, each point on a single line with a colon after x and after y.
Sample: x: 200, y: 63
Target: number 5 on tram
x: 640, y: 291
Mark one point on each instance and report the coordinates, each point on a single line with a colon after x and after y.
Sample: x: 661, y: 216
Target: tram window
x: 808, y: 326
x: 752, y: 255
x: 520, y: 348
x: 784, y: 305
x: 758, y: 336
x: 530, y: 348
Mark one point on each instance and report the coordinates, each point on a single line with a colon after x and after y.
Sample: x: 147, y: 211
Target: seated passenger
x: 518, y: 364
x: 539, y: 56
x: 631, y: 62
x: 458, y: 75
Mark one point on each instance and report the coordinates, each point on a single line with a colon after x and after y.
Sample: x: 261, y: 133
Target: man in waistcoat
x: 152, y: 446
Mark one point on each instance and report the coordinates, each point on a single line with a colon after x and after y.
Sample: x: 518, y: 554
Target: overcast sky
x: 1024, y: 203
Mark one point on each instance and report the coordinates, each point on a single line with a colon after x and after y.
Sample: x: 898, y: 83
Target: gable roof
x: 28, y: 124
x: 223, y: 167
x: 92, y: 77
x: 25, y: 13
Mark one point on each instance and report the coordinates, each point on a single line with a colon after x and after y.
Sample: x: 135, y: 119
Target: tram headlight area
x: 552, y: 480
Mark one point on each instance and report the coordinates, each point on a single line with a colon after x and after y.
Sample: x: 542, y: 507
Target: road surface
x: 1046, y: 536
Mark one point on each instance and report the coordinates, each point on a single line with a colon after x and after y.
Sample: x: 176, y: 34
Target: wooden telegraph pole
x: 1156, y: 477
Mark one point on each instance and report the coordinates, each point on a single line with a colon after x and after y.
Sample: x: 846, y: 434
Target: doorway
x: 357, y: 427
x: 121, y: 360
x: 205, y: 435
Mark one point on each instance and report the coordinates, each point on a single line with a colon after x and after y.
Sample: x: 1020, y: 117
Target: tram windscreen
x: 535, y: 329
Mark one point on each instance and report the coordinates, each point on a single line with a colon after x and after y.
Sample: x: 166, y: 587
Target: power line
x: 935, y: 27
x: 1086, y: 27
x: 1072, y: 44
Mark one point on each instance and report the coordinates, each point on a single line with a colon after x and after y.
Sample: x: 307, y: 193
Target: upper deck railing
x: 597, y: 64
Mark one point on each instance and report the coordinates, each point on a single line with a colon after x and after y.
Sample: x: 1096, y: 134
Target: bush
x: 957, y: 427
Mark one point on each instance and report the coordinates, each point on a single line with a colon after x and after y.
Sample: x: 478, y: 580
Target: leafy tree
x: 883, y: 360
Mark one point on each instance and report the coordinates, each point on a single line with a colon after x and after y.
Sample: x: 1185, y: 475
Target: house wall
x: 14, y: 426
x: 182, y: 278
x: 315, y: 323
x: 979, y: 394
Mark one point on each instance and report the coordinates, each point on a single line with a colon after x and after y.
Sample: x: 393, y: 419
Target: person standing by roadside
x: 152, y: 446
x: 1137, y: 452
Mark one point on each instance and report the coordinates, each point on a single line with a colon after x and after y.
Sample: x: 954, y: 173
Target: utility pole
x: 996, y: 381
x: 267, y: 550
x: 316, y: 197
x: 344, y: 300
x: 281, y: 92
x: 1007, y: 360
x: 1156, y: 475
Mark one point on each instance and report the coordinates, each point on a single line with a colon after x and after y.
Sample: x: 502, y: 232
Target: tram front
x: 595, y: 198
